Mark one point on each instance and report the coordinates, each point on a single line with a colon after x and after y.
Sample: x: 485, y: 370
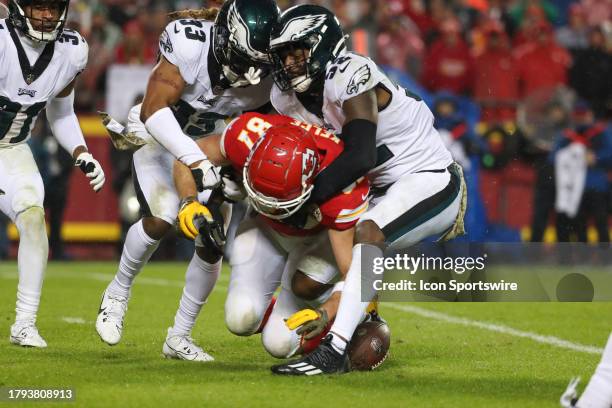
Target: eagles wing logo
x: 361, y: 77
x: 240, y: 35
x: 165, y: 43
x: 298, y: 27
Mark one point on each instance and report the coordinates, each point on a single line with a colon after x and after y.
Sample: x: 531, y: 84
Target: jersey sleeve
x: 183, y: 52
x: 350, y: 75
x: 77, y: 49
x: 342, y: 211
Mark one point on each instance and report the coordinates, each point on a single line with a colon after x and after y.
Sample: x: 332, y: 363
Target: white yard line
x: 74, y: 320
x: 498, y: 328
x: 419, y: 311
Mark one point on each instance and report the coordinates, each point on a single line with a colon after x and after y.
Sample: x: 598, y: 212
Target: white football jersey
x: 26, y: 87
x: 405, y: 138
x: 187, y: 44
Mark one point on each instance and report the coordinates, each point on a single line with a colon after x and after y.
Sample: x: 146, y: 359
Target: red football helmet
x: 280, y: 170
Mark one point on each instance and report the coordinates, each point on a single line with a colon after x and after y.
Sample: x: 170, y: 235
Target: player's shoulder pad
x: 350, y: 75
x: 75, y: 47
x: 183, y: 42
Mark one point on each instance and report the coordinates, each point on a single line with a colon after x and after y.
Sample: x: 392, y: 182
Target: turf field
x: 442, y: 354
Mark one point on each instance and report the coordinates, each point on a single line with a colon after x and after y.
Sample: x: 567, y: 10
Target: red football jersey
x: 341, y: 211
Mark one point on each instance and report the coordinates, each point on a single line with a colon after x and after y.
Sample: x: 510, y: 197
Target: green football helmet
x: 242, y: 36
x: 316, y: 31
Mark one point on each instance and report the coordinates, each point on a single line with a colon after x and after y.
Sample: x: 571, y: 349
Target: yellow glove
x: 190, y: 209
x: 299, y: 318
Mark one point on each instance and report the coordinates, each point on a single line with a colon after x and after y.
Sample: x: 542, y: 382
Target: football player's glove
x: 212, y: 230
x: 251, y: 77
x: 570, y: 396
x: 310, y: 323
x: 189, y: 210
x: 121, y: 138
x: 233, y: 189
x: 92, y: 169
x: 206, y: 176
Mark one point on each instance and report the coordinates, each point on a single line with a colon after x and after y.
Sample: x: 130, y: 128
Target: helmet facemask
x: 299, y: 75
x: 38, y: 29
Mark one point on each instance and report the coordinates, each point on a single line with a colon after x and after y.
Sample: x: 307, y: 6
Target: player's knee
x: 306, y: 288
x: 155, y: 228
x: 31, y: 221
x: 278, y: 340
x: 208, y: 254
x: 242, y: 317
x: 368, y: 232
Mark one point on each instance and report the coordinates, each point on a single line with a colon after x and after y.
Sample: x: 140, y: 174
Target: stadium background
x: 504, y: 78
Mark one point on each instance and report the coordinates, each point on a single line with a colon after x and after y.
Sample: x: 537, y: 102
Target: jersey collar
x: 31, y: 73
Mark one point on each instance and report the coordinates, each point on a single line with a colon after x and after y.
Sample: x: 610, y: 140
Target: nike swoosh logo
x: 364, y: 196
x: 100, y: 310
x: 2, y: 192
x: 345, y: 67
x: 176, y: 30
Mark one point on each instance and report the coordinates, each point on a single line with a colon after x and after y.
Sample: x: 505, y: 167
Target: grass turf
x: 433, y: 363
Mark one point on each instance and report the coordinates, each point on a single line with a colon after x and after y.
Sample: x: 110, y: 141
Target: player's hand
x: 212, y: 232
x: 206, y: 176
x: 309, y: 322
x: 232, y: 188
x: 92, y: 169
x: 191, y: 209
x: 570, y: 396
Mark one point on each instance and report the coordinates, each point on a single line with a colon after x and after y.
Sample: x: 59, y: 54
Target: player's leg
x: 397, y: 218
x: 276, y: 338
x: 200, y: 279
x: 152, y: 173
x: 22, y: 202
x: 257, y: 264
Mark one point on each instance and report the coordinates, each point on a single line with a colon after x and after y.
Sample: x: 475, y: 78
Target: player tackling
x: 40, y: 61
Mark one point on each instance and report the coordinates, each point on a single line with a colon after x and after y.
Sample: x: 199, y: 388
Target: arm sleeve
x: 164, y: 128
x: 64, y: 123
x: 357, y: 158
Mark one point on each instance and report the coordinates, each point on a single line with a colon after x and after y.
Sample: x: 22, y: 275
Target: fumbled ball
x: 369, y: 346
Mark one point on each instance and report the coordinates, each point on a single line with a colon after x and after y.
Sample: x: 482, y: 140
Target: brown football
x: 369, y: 346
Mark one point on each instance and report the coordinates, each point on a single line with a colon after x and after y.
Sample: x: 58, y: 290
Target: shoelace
x: 116, y: 309
x: 323, y: 356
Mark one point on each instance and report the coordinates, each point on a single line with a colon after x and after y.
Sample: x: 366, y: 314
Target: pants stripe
x: 425, y: 210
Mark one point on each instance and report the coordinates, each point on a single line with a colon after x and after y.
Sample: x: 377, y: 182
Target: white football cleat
x: 26, y: 334
x: 182, y: 347
x: 109, y: 323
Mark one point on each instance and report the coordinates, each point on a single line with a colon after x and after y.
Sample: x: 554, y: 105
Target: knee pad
x: 242, y: 314
x: 278, y: 340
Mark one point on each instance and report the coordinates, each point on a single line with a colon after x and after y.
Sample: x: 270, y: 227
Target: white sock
x: 351, y: 307
x: 200, y: 280
x: 137, y: 251
x: 31, y: 261
x: 598, y: 393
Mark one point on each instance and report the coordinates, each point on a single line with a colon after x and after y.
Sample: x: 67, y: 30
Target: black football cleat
x: 323, y: 360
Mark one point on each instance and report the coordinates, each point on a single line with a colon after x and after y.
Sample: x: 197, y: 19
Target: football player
x: 418, y: 191
x: 598, y: 393
x: 40, y: 61
x: 206, y: 72
x: 278, y: 158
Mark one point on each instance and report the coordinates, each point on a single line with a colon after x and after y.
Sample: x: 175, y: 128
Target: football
x: 369, y: 346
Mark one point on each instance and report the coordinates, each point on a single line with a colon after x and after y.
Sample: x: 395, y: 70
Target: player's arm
x: 359, y: 154
x: 66, y: 129
x: 164, y: 89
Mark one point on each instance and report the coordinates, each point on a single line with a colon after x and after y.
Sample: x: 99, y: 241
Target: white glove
x: 251, y: 77
x: 232, y: 190
x: 206, y: 176
x: 570, y: 395
x: 92, y: 169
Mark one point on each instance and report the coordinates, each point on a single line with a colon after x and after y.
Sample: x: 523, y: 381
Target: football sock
x: 598, y: 393
x: 352, y: 305
x: 31, y: 262
x: 200, y: 280
x: 137, y: 251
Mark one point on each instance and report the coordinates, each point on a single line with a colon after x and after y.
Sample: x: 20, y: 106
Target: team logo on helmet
x: 299, y: 27
x: 239, y: 36
x: 309, y: 164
